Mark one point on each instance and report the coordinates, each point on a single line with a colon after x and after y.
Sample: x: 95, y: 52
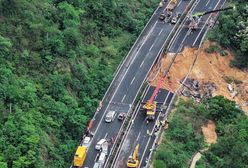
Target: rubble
x: 197, y: 90
x: 208, y: 67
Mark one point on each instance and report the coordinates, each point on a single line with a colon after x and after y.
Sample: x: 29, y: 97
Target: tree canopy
x: 57, y: 58
x: 232, y: 32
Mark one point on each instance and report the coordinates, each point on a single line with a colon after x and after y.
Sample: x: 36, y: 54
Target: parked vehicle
x: 79, y: 156
x: 121, y: 116
x: 99, y: 144
x: 175, y: 18
x: 110, y: 116
x: 86, y: 141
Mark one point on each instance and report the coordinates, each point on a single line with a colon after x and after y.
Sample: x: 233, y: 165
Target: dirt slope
x: 209, y: 133
x: 208, y: 68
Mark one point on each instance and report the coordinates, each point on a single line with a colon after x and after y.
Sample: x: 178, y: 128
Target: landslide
x: 209, y: 67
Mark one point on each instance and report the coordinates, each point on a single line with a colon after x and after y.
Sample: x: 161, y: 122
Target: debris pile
x: 197, y: 90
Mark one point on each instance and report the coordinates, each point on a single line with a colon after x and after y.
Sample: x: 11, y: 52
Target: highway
x: 140, y: 132
x: 185, y: 37
x: 137, y: 134
x: 129, y: 80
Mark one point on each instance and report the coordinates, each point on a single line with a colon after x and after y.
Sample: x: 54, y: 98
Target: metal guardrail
x: 191, y: 5
x: 130, y: 110
x: 129, y: 124
x: 167, y: 41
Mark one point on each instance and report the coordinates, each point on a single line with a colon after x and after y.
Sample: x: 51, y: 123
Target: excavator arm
x: 133, y: 161
x: 199, y: 14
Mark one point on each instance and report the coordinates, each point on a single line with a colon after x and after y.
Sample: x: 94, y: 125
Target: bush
x: 212, y: 49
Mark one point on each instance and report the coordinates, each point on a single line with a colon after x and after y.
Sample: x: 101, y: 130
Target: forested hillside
x: 56, y: 61
x: 184, y: 136
x: 232, y: 31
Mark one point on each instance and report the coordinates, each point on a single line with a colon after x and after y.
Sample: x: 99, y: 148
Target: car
x: 97, y: 165
x: 110, y: 116
x: 99, y: 144
x: 102, y: 158
x: 162, y: 16
x: 121, y: 116
x: 86, y: 141
x: 175, y: 18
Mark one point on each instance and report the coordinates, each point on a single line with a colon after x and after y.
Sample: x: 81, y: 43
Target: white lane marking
x: 132, y: 81
x: 124, y: 76
x: 152, y: 132
x: 151, y: 47
x: 114, y: 117
x: 142, y: 63
x: 105, y: 136
x: 166, y: 97
x: 148, y: 35
x: 181, y: 44
x: 160, y: 32
x: 96, y: 157
x: 148, y: 71
x: 123, y: 98
x: 138, y: 136
x: 118, y: 68
x: 180, y: 29
x: 154, y: 127
x: 179, y: 3
x: 137, y: 108
x: 207, y: 3
x: 205, y: 24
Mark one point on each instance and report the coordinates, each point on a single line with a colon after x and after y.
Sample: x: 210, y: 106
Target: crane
x: 196, y: 18
x: 151, y: 105
x: 133, y: 161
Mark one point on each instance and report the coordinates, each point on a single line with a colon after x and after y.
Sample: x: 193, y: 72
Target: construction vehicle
x: 171, y: 5
x: 79, y: 156
x: 151, y: 105
x: 168, y: 11
x: 195, y: 19
x: 133, y: 161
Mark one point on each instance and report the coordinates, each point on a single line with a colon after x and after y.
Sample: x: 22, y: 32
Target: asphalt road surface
x: 185, y: 37
x: 141, y: 132
x: 129, y: 79
x: 138, y: 133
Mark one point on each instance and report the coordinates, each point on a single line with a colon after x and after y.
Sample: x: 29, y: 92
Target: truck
x: 79, y: 156
x: 81, y: 152
x: 102, y: 157
x: 168, y: 11
x: 171, y: 5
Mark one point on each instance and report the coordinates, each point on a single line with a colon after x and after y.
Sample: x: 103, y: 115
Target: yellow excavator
x: 133, y: 161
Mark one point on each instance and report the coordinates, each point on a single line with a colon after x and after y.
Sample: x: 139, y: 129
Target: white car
x: 86, y: 141
x: 99, y: 144
x: 110, y: 116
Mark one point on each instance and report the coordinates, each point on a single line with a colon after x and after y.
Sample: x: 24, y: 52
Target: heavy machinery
x: 195, y: 19
x: 168, y: 10
x: 151, y: 105
x: 133, y: 161
x: 79, y: 156
x: 171, y: 5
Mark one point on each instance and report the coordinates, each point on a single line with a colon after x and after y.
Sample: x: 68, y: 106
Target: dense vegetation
x: 57, y: 58
x: 184, y: 136
x: 232, y: 32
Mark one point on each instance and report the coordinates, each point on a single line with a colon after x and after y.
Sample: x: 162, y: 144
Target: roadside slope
x: 209, y: 67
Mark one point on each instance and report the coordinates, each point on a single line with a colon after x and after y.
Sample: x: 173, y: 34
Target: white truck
x: 104, y: 152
